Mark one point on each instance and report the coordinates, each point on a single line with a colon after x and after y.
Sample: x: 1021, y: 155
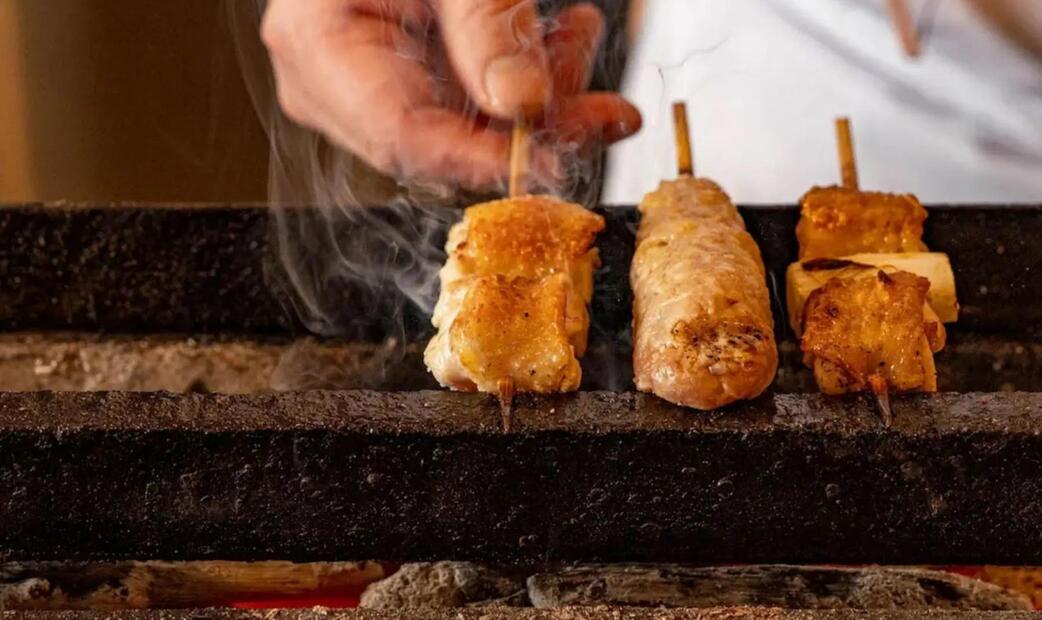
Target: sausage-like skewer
x: 703, y: 334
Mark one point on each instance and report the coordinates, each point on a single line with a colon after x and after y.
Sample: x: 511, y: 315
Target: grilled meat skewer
x: 514, y: 296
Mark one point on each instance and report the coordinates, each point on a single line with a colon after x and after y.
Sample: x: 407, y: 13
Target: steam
x: 358, y: 255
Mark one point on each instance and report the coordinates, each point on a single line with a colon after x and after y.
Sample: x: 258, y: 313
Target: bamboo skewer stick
x: 847, y: 160
x: 520, y: 151
x: 848, y: 173
x: 519, y: 154
x: 905, y: 26
x: 685, y: 161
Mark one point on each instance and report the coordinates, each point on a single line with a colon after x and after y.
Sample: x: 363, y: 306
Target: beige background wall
x: 124, y: 100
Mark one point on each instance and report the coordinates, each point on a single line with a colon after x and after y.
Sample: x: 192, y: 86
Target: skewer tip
x: 506, y: 402
x: 882, y: 396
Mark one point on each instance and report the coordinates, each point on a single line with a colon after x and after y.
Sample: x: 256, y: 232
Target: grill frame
x: 787, y: 478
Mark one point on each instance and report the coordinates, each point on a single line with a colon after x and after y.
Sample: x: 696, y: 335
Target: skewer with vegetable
x: 867, y: 298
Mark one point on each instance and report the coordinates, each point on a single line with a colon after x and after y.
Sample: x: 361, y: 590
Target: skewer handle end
x: 519, y: 154
x: 847, y: 160
x: 685, y: 161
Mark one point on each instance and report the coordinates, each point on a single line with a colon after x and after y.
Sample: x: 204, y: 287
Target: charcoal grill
x: 402, y: 471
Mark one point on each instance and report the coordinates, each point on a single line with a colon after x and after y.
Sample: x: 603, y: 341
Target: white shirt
x: 764, y: 79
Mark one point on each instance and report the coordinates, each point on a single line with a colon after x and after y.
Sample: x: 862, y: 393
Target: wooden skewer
x: 882, y: 395
x: 519, y: 154
x: 905, y: 26
x: 685, y: 161
x: 848, y: 172
x: 506, y: 401
x: 847, y: 161
x: 520, y: 145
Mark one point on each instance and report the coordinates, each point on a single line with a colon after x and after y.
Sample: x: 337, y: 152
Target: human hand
x: 427, y: 89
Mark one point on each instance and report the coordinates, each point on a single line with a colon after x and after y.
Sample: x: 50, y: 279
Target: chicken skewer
x: 703, y: 334
x: 866, y: 327
x: 519, y: 152
x: 512, y: 314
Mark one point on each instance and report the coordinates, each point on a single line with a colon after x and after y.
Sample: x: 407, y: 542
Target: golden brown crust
x: 837, y: 221
x: 703, y: 330
x: 516, y: 328
x: 529, y: 236
x: 518, y: 277
x: 872, y: 327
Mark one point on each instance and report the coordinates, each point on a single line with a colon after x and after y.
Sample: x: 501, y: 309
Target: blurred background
x: 125, y: 100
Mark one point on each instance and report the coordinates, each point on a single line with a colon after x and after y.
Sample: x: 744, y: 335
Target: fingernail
x: 516, y: 84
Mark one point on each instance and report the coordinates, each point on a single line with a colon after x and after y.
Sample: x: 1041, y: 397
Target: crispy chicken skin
x: 702, y: 325
x: 872, y: 331
x: 515, y: 291
x: 838, y: 221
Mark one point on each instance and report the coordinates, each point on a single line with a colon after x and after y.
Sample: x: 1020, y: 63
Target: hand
x: 427, y: 89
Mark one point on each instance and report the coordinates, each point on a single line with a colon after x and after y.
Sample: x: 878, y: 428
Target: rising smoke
x: 358, y: 254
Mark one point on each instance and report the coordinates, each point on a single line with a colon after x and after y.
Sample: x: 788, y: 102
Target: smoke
x: 358, y: 254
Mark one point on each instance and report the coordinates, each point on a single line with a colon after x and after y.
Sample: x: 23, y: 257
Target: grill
x: 385, y: 466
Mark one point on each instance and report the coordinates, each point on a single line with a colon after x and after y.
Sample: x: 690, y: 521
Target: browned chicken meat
x: 839, y: 221
x: 514, y: 296
x: 872, y: 331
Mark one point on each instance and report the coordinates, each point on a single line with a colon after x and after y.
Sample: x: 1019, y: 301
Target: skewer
x: 847, y: 161
x: 506, y: 402
x: 519, y: 153
x: 905, y: 26
x: 685, y: 162
x: 848, y: 172
x: 882, y: 396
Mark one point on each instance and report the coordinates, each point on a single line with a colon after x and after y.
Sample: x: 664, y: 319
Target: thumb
x: 496, y: 47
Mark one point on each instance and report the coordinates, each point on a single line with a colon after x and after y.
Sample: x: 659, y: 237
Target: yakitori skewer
x: 513, y: 312
x: 703, y: 334
x: 520, y: 150
x: 867, y: 298
x: 849, y: 178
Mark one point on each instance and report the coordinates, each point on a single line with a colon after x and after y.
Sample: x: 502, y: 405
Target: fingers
x: 497, y: 49
x: 572, y: 43
x: 364, y: 78
x: 595, y: 119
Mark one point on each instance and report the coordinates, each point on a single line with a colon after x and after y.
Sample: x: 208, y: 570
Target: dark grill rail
x: 208, y: 268
x: 591, y: 477
x: 419, y: 475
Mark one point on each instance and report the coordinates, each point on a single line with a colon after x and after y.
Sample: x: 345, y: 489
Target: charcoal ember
x: 446, y: 584
x: 794, y: 587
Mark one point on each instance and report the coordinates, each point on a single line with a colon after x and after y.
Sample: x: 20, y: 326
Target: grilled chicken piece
x: 872, y: 331
x: 511, y: 263
x: 838, y: 221
x: 508, y: 328
x: 703, y: 335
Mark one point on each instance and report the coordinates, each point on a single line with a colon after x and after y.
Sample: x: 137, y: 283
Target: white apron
x: 764, y: 79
